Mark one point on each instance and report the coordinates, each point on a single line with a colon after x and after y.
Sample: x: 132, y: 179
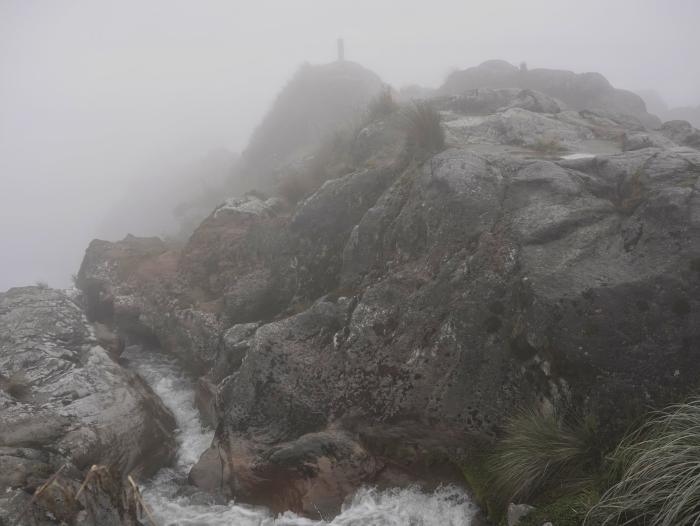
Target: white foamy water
x: 174, y: 503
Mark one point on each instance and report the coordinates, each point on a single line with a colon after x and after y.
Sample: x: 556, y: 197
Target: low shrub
x: 382, y: 105
x: 541, y: 452
x: 631, y: 192
x: 15, y: 385
x: 424, y: 133
x: 548, y: 146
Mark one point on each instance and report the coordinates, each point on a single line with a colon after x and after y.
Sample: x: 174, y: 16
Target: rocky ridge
x: 311, y: 106
x: 580, y: 91
x: 379, y: 321
x: 391, y: 320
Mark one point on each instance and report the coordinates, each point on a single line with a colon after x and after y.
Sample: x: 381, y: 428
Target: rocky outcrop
x: 681, y: 132
x: 657, y: 105
x: 66, y: 405
x: 671, y: 134
x: 403, y: 311
x: 185, y: 297
x: 317, y: 100
x: 250, y: 260
x: 580, y: 91
x: 530, y: 120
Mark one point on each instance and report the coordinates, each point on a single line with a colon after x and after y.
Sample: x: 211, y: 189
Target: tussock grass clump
x: 16, y: 385
x: 382, y: 105
x: 541, y: 452
x: 631, y: 192
x: 659, y: 467
x: 548, y: 146
x: 424, y: 132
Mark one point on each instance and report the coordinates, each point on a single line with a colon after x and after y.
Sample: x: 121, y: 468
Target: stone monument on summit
x: 341, y: 50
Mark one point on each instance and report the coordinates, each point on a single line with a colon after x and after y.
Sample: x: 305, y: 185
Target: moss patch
x: 681, y: 307
x: 478, y: 478
x: 695, y: 265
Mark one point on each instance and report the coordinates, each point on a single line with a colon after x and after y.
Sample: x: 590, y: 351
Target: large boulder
x: 682, y: 133
x: 671, y: 134
x: 478, y: 284
x: 66, y: 405
x: 250, y: 260
x: 185, y: 297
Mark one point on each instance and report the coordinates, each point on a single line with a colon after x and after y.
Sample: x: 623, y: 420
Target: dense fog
x: 113, y: 113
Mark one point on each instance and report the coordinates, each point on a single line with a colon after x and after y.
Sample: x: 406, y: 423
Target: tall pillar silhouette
x: 341, y: 50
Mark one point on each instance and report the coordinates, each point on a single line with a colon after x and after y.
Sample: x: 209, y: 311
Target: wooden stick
x: 141, y: 501
x: 93, y: 469
x: 38, y: 492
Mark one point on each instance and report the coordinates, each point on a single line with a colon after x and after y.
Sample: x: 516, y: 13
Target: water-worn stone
x: 65, y: 405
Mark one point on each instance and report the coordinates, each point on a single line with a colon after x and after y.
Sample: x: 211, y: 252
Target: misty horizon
x: 101, y: 101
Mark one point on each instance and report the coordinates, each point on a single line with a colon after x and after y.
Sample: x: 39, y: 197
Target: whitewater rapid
x: 173, y: 502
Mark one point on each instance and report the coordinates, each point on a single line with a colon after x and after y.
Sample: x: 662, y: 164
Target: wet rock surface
x: 428, y: 299
x: 66, y: 405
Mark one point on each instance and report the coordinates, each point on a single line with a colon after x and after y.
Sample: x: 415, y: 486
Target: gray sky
x: 96, y: 94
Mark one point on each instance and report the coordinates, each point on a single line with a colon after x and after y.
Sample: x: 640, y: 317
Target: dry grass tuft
x: 382, y: 105
x: 548, y: 146
x: 424, y: 131
x: 541, y: 452
x: 16, y: 385
x: 660, y: 473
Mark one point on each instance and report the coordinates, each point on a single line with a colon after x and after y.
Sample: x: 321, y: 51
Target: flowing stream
x: 174, y: 503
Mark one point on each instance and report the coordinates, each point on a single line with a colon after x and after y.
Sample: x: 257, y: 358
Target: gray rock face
x: 482, y: 283
x: 533, y: 122
x: 639, y: 141
x: 682, y: 133
x: 519, y: 127
x: 671, y: 134
x: 418, y: 304
x: 65, y: 404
